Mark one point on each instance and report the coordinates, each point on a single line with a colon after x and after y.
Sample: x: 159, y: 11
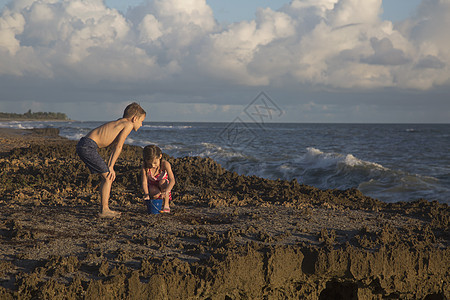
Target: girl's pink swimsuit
x: 154, y: 180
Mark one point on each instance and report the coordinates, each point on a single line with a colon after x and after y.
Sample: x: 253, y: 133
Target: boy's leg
x: 87, y: 150
x: 105, y: 190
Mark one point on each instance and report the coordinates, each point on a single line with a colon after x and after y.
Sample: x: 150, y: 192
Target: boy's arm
x: 117, y: 149
x: 144, y: 183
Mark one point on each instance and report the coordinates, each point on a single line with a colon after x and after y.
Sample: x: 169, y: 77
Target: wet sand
x: 228, y: 236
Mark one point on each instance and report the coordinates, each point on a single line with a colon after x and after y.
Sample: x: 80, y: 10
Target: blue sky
x: 191, y: 60
x: 237, y: 10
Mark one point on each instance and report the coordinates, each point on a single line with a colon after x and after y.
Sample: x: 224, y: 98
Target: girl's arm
x: 144, y: 182
x: 168, y: 168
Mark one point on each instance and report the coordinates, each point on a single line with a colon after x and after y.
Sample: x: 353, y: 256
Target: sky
x: 350, y: 61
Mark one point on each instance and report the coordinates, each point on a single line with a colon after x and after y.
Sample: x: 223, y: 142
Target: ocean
x: 390, y: 162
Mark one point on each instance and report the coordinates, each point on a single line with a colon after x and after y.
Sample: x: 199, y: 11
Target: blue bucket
x: 154, y: 206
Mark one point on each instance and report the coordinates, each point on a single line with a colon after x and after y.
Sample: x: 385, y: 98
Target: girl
x: 157, y: 177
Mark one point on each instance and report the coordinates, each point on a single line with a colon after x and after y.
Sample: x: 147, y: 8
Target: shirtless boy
x: 114, y: 132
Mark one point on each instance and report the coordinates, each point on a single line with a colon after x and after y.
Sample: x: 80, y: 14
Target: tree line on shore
x: 35, y: 115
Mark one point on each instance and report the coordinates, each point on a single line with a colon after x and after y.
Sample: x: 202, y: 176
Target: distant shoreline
x: 31, y: 116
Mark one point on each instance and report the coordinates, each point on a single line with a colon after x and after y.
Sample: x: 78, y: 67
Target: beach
x: 229, y: 236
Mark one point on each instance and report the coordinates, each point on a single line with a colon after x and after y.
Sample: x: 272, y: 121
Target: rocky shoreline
x: 229, y: 236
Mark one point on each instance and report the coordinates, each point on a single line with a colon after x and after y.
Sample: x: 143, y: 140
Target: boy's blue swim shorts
x: 87, y: 151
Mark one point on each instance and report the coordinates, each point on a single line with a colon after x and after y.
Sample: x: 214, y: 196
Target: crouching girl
x: 157, y: 177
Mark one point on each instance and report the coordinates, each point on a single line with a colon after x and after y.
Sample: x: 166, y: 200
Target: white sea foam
x: 171, y: 147
x: 352, y: 161
x: 166, y: 126
x: 218, y: 152
x: 74, y: 136
x: 16, y: 125
x: 141, y: 142
x: 27, y: 124
x: 318, y: 159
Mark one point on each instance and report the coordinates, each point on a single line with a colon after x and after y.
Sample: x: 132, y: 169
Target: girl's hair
x: 150, y: 152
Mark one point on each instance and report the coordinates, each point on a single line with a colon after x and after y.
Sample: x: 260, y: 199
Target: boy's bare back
x: 106, y: 134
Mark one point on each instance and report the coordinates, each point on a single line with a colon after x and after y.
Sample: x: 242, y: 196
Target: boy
x: 114, y: 132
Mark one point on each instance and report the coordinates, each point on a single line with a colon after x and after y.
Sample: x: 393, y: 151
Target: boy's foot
x: 109, y: 214
x: 165, y: 210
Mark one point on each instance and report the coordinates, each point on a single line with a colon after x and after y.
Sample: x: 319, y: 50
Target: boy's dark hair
x: 150, y: 152
x: 132, y: 110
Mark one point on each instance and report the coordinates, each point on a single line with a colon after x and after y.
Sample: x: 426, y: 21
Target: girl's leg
x: 154, y: 191
x: 163, y: 184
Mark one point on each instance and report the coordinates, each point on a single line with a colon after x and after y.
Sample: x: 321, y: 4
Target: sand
x: 227, y: 237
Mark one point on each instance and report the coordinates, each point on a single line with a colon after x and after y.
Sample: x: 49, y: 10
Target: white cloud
x: 150, y: 29
x: 11, y: 24
x: 324, y: 43
x: 385, y: 53
x: 172, y: 26
x: 230, y: 53
x: 346, y: 12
